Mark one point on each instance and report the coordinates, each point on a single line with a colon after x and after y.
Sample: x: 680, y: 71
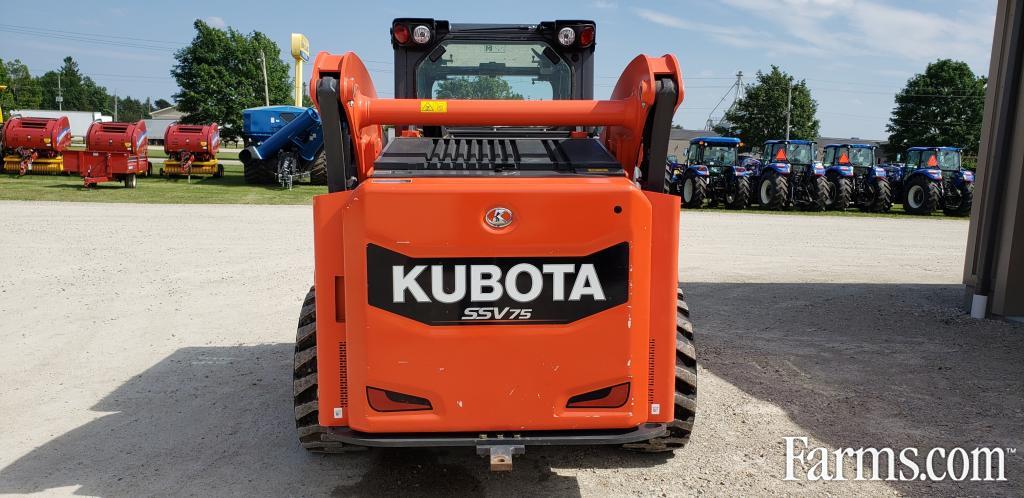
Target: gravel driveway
x: 146, y: 349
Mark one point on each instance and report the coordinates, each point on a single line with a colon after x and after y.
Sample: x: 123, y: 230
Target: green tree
x: 761, y: 114
x: 220, y: 74
x: 161, y: 104
x: 80, y: 92
x: 130, y: 109
x: 22, y: 90
x: 477, y: 88
x: 943, y: 106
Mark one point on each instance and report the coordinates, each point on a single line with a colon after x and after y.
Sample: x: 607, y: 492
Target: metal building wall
x: 994, y: 266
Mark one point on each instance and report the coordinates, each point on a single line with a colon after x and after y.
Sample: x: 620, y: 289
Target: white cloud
x: 215, y: 21
x: 735, y: 37
x: 870, y: 28
x: 605, y: 4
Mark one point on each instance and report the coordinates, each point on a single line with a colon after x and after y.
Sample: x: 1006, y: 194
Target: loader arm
x: 636, y: 119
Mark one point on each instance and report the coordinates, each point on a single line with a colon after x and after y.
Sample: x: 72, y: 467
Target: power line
x: 94, y: 35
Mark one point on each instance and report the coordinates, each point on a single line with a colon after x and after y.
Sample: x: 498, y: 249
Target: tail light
x: 389, y: 401
x: 608, y: 397
x: 401, y: 33
x: 586, y: 36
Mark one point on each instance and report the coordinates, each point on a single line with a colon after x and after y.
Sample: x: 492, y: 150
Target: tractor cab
x: 945, y: 159
x: 713, y: 153
x: 793, y: 152
x: 851, y: 155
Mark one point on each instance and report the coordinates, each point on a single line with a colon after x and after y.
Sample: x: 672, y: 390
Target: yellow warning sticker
x: 433, y: 106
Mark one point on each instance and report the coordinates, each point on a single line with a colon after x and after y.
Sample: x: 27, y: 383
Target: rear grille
x: 343, y: 375
x: 485, y: 154
x: 650, y: 372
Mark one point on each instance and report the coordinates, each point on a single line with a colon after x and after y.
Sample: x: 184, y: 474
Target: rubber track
x: 685, y: 406
x: 312, y: 435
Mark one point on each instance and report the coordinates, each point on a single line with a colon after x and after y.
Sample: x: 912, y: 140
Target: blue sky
x: 855, y: 54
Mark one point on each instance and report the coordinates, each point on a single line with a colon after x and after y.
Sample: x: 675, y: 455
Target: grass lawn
x: 231, y: 189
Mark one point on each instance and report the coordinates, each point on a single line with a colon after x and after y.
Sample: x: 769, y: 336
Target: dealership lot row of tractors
x: 789, y: 175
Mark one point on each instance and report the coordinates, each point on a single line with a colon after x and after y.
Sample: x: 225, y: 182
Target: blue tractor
x: 283, y: 144
x: 855, y: 178
x: 711, y: 171
x: 788, y: 175
x: 933, y: 178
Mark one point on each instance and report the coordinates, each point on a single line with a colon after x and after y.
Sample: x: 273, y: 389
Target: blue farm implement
x: 711, y: 172
x: 788, y: 175
x: 283, y: 144
x: 855, y: 179
x: 933, y: 178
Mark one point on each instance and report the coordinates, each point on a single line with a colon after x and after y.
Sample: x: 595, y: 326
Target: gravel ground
x: 146, y: 351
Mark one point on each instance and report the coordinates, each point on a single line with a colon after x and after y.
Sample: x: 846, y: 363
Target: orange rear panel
x: 494, y: 377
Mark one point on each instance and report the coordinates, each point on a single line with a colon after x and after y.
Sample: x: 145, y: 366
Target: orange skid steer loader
x: 504, y: 272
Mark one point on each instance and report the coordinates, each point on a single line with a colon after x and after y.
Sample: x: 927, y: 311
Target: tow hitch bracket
x: 500, y: 455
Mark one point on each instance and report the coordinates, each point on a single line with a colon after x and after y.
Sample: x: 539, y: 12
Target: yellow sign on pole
x: 2, y: 89
x: 300, y: 52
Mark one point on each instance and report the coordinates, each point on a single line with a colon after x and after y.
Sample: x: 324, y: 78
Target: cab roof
x: 855, y: 146
x: 797, y: 142
x: 716, y: 140
x: 957, y: 149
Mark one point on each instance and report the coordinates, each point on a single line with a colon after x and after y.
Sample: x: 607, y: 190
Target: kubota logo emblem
x: 499, y: 217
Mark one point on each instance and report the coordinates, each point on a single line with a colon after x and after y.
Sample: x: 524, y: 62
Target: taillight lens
x: 401, y: 33
x: 587, y: 36
x: 608, y: 397
x: 389, y: 401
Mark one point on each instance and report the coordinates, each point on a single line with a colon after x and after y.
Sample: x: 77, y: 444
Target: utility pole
x: 60, y: 95
x: 266, y: 88
x: 115, y: 105
x: 789, y: 108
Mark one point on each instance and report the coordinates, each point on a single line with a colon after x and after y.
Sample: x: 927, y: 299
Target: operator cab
x: 713, y: 152
x: 435, y: 59
x: 946, y: 159
x: 856, y: 155
x: 794, y: 152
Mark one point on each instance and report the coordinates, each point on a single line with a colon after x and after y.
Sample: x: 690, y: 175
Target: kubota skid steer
x: 500, y: 275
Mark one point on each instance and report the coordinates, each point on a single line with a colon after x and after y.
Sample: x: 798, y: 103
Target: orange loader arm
x: 638, y: 113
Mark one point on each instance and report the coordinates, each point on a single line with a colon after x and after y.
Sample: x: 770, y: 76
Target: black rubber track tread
x: 318, y: 169
x: 882, y: 201
x: 778, y: 191
x: 685, y: 405
x: 742, y: 198
x: 312, y: 435
x: 931, y: 200
x: 966, y: 200
x: 843, y: 189
x: 700, y: 191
